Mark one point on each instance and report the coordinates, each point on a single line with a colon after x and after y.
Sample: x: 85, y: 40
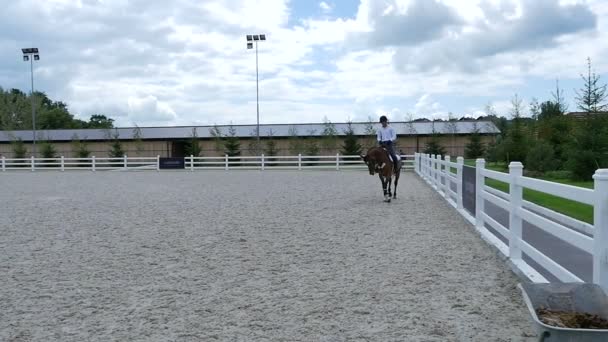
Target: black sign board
x: 172, y: 163
x: 468, y: 188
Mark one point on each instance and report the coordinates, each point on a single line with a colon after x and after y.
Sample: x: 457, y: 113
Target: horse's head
x: 373, y: 164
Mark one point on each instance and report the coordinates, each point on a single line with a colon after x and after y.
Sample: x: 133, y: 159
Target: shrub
x: 562, y: 174
x: 541, y: 158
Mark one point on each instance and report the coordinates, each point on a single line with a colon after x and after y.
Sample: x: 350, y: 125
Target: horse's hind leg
x: 396, y: 182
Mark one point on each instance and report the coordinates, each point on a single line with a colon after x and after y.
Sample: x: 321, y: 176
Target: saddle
x: 390, y: 157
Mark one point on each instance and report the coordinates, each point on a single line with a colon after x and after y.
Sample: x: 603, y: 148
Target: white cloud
x: 184, y: 62
x: 325, y: 7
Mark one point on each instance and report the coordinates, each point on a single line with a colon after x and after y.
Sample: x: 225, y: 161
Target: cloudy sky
x: 182, y: 62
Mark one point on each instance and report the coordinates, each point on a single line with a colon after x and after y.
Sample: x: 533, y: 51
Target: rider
x: 387, y: 137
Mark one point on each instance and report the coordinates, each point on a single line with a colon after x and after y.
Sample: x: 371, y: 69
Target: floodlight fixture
x: 256, y: 37
x: 249, y: 37
x: 262, y: 37
x: 249, y: 45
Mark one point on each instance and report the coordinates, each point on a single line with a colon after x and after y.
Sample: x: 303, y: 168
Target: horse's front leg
x: 383, y: 184
x: 390, y: 193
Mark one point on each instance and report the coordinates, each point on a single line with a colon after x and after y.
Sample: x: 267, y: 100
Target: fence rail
x: 192, y: 163
x: 592, y: 239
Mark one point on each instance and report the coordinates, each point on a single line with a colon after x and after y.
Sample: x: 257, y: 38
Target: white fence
x: 299, y: 162
x: 590, y: 238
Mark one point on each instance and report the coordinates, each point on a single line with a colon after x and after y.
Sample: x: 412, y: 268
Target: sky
x: 186, y: 62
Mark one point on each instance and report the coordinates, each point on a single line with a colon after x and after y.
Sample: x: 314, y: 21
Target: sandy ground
x: 244, y: 256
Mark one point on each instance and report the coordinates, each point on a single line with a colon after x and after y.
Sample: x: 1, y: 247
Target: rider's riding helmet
x: 383, y: 119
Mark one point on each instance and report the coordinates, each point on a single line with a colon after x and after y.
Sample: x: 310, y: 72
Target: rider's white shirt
x: 386, y: 134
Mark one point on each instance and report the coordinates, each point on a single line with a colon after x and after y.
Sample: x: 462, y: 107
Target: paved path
x: 244, y: 256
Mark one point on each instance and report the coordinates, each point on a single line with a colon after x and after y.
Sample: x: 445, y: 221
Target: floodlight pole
x: 32, y: 54
x: 253, y: 39
x: 257, y: 93
x: 33, y: 107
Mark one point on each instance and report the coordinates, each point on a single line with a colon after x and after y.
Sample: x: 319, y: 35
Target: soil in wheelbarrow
x: 571, y: 320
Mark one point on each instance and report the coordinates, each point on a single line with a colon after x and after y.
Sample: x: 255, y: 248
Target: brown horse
x: 378, y: 160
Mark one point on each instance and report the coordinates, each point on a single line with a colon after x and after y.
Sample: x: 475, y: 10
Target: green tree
x: 296, y: 145
x: 541, y: 158
x: 475, y: 148
x: 47, y: 150
x: 592, y: 97
x: 81, y: 149
x: 100, y: 121
x: 19, y: 149
x: 271, y: 149
x: 559, y: 98
x: 351, y: 146
x: 433, y: 146
x: 329, y: 141
x: 218, y: 140
x: 116, y: 149
x: 370, y: 132
x: 311, y: 148
x: 137, y: 140
x: 193, y: 147
x: 232, y: 144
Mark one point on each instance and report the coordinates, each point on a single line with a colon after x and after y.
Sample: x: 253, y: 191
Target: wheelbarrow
x: 571, y: 297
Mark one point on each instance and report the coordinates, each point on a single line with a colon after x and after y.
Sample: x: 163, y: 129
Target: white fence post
x: 459, y: 171
x: 124, y: 160
x: 600, y: 223
x: 435, y: 171
x: 62, y: 163
x: 226, y: 162
x: 337, y: 161
x: 157, y: 163
x: 480, y: 164
x: 515, y: 202
x: 33, y: 163
x: 93, y: 164
x: 299, y: 161
x: 263, y: 166
x: 445, y: 172
x: 3, y: 163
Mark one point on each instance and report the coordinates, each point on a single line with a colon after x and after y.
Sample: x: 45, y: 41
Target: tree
x: 137, y: 139
x: 311, y: 148
x: 370, y: 131
x: 80, y: 148
x: 351, y: 146
x: 329, y: 141
x: 541, y: 158
x: 100, y: 121
x: 452, y: 128
x: 116, y: 150
x: 535, y: 108
x: 193, y: 147
x: 216, y: 134
x: 56, y: 118
x: 516, y: 143
x: 475, y: 148
x: 47, y: 150
x: 433, y: 146
x: 592, y: 96
x: 410, y: 124
x: 19, y: 149
x: 271, y: 148
x: 559, y: 99
x: 295, y: 141
x: 232, y: 143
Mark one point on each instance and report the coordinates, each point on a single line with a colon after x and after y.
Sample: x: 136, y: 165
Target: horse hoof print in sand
x: 378, y: 160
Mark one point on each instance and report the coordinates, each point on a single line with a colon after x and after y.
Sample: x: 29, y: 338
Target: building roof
x: 247, y: 131
x: 582, y: 115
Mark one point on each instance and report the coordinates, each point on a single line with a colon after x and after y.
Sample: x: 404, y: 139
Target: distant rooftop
x: 247, y: 131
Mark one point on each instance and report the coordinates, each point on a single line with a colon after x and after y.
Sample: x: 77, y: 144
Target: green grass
x: 577, y: 210
x: 580, y: 211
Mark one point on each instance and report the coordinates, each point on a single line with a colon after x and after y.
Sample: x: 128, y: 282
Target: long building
x: 288, y: 138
